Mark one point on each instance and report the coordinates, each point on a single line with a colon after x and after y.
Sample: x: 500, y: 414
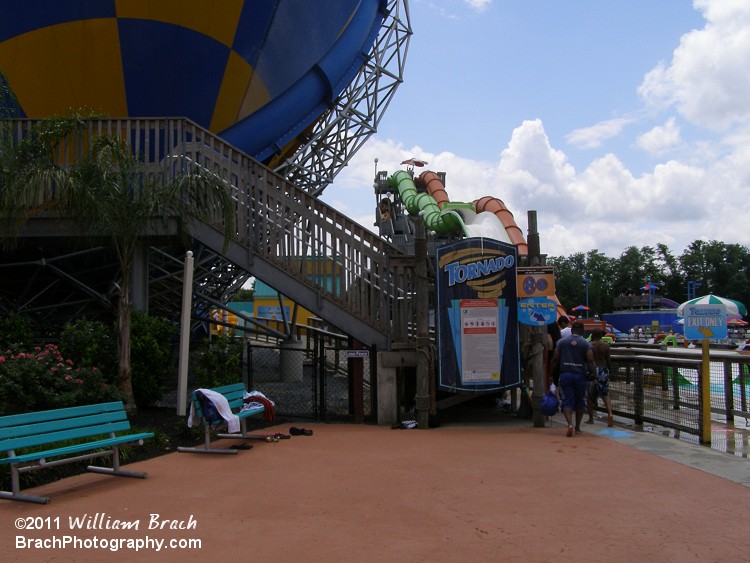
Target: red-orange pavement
x: 364, y: 493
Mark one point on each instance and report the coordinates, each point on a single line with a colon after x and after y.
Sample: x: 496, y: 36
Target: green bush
x: 16, y: 332
x: 219, y: 362
x: 43, y: 379
x: 153, y: 357
x: 91, y: 343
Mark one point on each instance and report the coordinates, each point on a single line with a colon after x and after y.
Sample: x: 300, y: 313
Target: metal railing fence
x: 663, y: 388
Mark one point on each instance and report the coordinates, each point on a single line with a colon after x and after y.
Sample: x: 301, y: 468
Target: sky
x: 620, y: 122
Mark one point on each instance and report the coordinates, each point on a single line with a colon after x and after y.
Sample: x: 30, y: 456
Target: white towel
x: 222, y: 407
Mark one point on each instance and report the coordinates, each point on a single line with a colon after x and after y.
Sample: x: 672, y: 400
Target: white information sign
x: 480, y: 341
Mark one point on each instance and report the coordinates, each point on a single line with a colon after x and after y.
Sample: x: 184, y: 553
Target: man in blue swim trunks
x: 576, y: 360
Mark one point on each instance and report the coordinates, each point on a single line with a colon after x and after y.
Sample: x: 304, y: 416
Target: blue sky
x: 621, y: 122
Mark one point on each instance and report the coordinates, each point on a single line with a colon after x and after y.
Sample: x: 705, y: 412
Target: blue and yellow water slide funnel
x: 257, y: 73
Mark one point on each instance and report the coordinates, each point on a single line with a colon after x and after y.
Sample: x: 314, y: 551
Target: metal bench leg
x: 16, y: 488
x: 26, y: 498
x: 115, y: 469
x: 119, y: 472
x: 206, y: 448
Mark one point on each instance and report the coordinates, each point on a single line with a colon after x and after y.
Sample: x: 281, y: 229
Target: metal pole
x: 587, y: 300
x: 586, y: 282
x: 187, y: 306
x: 705, y: 402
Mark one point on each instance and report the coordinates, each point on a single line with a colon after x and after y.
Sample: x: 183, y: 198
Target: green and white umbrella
x: 734, y: 308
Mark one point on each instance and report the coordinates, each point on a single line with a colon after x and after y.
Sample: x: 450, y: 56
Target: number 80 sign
x: 535, y: 281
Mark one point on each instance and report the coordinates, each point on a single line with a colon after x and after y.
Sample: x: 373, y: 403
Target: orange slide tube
x: 433, y: 185
x: 496, y: 206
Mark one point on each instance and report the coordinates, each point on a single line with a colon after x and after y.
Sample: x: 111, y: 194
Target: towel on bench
x: 260, y: 399
x: 222, y: 407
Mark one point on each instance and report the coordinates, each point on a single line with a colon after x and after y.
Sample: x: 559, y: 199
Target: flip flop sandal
x: 294, y: 431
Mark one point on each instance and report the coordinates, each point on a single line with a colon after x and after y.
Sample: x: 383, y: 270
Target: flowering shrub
x: 43, y: 379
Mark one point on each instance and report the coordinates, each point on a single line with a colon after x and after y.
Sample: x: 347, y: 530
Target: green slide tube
x: 425, y: 204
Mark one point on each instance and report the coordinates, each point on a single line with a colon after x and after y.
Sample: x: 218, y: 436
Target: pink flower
x: 2, y: 359
x: 68, y: 377
x: 69, y: 362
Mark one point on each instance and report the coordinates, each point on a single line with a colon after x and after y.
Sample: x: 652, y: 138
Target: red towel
x: 270, y: 412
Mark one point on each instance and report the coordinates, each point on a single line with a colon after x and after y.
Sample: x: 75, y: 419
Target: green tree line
x: 719, y: 268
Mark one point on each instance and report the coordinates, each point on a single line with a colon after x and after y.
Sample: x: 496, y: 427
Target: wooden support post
x: 538, y: 333
x: 424, y: 373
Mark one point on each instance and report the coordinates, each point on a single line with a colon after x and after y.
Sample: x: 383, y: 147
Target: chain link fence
x: 317, y: 379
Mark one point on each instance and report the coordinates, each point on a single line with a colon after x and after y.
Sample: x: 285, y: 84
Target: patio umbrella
x: 414, y: 162
x: 736, y: 321
x: 734, y: 308
x: 580, y: 308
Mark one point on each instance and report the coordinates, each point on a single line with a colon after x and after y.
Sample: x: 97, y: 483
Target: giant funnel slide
x: 258, y: 74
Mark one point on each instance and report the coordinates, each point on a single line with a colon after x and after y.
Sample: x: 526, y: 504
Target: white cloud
x: 707, y: 79
x: 455, y: 9
x: 592, y: 137
x: 660, y: 138
x: 700, y: 192
x: 478, y: 5
x: 603, y: 206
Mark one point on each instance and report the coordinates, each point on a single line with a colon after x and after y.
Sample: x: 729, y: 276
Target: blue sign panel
x: 705, y: 322
x: 536, y: 311
x: 477, y: 316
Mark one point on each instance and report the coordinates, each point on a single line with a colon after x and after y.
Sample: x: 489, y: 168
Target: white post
x: 187, y: 305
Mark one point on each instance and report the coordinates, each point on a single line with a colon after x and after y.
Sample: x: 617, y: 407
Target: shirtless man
x: 600, y: 386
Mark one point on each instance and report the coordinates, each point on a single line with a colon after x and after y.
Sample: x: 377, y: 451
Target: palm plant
x: 61, y: 169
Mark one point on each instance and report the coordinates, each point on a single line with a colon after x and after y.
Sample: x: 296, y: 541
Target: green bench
x: 50, y: 428
x: 234, y: 393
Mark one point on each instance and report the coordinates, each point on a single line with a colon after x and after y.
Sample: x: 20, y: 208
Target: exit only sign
x: 705, y: 322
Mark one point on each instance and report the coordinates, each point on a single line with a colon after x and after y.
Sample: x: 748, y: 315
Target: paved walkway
x: 499, y: 491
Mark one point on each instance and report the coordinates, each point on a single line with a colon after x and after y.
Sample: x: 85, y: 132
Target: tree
x: 569, y: 273
x: 107, y: 191
x: 600, y: 270
x: 670, y: 273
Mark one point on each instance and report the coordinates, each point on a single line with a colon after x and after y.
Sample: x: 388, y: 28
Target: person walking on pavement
x: 564, y: 324
x: 600, y: 386
x: 575, y: 357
